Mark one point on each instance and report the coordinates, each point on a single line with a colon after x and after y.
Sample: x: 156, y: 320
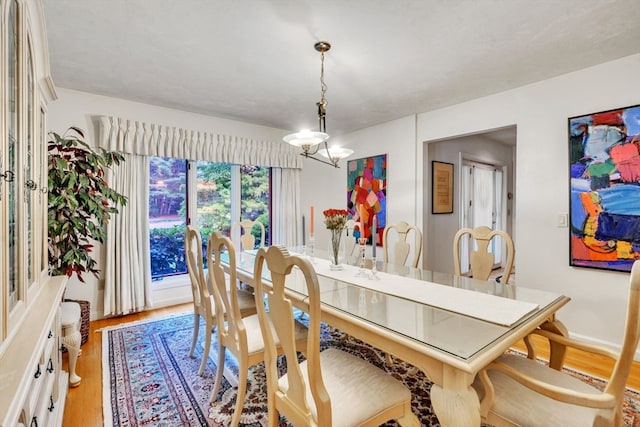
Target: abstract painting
x: 604, y: 208
x: 367, y: 194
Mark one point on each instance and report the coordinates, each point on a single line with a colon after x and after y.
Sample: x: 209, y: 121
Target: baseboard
x: 167, y: 302
x: 607, y: 344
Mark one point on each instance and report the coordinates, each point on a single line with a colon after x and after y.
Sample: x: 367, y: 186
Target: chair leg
x: 273, y: 417
x: 242, y: 392
x: 409, y: 419
x: 207, y: 346
x: 72, y: 343
x: 219, y: 373
x: 196, y: 332
x: 388, y: 359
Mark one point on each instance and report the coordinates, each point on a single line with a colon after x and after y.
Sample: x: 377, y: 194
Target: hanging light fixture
x: 310, y: 141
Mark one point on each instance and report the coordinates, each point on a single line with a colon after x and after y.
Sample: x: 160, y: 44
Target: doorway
x: 482, y: 203
x: 495, y: 147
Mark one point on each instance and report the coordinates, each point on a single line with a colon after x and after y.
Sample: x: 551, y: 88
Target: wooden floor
x: 84, y: 403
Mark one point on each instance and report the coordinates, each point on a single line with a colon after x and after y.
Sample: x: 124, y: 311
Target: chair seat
x: 357, y: 388
x: 70, y: 313
x: 517, y: 404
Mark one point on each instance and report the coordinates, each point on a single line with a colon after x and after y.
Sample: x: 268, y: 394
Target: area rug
x: 149, y: 379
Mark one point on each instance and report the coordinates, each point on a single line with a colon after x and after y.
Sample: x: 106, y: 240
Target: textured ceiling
x: 254, y: 61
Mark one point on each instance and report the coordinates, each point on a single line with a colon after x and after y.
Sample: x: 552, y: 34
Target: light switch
x: 563, y: 220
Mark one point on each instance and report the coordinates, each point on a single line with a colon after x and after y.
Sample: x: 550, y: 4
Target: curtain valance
x: 148, y: 139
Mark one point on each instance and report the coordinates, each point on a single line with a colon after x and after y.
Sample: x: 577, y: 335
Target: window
x: 167, y: 215
x: 175, y: 183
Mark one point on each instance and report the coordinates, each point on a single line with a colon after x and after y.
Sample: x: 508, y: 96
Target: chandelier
x: 313, y: 143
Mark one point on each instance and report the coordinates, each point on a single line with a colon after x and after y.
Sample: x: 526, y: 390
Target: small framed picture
x: 441, y: 187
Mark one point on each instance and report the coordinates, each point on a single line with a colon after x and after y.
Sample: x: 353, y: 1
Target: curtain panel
x: 135, y: 137
x: 127, y: 271
x: 286, y: 227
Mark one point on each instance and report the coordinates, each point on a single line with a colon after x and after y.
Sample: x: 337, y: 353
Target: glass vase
x: 336, y: 249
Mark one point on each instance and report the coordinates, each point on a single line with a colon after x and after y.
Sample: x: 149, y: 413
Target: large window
x: 205, y: 194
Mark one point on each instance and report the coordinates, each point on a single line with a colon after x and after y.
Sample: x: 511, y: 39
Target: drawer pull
x: 50, y: 334
x: 51, y: 406
x: 38, y: 372
x: 50, y: 366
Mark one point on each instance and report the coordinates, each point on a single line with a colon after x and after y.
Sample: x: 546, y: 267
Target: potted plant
x: 80, y: 202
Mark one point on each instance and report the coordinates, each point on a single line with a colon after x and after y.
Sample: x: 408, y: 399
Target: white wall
x: 326, y: 187
x: 73, y: 108
x: 540, y: 112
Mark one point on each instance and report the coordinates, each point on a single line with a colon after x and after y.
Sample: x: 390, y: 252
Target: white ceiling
x: 254, y: 61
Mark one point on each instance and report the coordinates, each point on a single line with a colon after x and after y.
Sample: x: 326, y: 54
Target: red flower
x: 335, y: 219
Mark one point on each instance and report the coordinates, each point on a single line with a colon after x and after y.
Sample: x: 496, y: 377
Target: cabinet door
x: 13, y: 289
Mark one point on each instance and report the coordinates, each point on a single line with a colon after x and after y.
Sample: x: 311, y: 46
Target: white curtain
x: 287, y: 219
x: 128, y: 265
x: 127, y: 269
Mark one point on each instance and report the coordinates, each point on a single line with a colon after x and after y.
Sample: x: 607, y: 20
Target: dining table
x: 448, y: 326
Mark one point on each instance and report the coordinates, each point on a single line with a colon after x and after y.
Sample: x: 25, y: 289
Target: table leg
x: 557, y: 351
x: 456, y: 403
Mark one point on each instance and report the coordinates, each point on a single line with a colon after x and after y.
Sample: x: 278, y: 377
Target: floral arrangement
x: 335, y: 219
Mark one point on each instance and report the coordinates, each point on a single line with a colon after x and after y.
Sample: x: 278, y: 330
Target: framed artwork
x: 367, y: 195
x: 604, y: 204
x: 441, y: 188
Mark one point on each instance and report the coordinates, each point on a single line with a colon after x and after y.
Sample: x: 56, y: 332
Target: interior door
x: 483, y: 194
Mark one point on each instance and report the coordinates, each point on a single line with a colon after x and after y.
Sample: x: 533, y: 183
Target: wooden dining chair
x: 516, y: 390
x: 481, y: 259
x: 239, y: 334
x: 400, y: 246
x: 330, y: 387
x: 203, y: 304
x: 247, y: 239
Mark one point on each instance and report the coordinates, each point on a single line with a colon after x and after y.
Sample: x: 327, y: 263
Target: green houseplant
x: 80, y: 202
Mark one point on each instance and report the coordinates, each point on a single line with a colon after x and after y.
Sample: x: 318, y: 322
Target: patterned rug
x: 149, y: 379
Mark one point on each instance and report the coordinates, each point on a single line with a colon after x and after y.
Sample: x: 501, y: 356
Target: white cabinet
x: 30, y: 377
x: 32, y: 386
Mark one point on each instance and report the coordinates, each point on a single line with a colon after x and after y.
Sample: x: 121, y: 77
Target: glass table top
x: 456, y: 334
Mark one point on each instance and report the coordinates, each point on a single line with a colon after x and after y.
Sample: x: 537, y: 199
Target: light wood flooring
x: 84, y: 403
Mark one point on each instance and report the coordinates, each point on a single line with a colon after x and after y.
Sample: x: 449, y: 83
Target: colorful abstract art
x: 367, y: 194
x: 604, y: 151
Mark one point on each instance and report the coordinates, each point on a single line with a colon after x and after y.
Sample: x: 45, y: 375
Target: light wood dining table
x: 448, y: 346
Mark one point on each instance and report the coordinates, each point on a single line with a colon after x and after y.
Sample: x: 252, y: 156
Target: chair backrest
x: 622, y: 367
x: 401, y: 247
x: 481, y: 260
x: 292, y: 402
x: 224, y: 294
x: 247, y: 239
x: 195, y: 267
